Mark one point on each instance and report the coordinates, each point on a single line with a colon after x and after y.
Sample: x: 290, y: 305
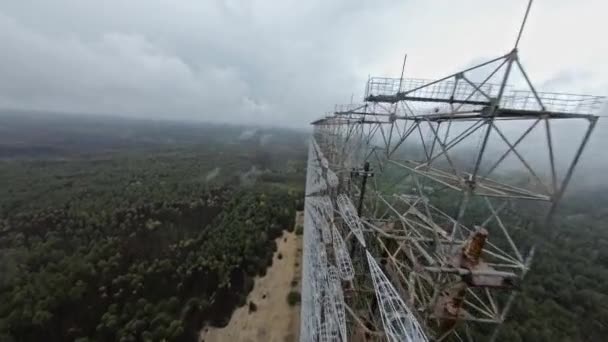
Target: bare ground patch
x: 272, y: 319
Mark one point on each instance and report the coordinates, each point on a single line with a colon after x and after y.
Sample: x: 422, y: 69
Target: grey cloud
x: 259, y: 61
x: 117, y: 72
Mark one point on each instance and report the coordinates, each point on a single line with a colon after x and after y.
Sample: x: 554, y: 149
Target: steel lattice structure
x: 417, y: 198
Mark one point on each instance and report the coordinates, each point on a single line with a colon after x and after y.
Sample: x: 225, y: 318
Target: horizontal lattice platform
x: 381, y: 89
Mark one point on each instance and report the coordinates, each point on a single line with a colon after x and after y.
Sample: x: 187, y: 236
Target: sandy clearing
x: 274, y: 320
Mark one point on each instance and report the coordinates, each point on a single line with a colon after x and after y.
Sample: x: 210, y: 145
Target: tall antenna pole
x: 523, y: 24
x: 402, y: 71
x: 363, y: 185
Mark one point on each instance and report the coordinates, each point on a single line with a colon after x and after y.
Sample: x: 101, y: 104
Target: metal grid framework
x: 444, y: 174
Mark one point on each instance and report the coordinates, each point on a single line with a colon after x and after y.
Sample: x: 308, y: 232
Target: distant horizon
x: 588, y: 174
x: 101, y: 116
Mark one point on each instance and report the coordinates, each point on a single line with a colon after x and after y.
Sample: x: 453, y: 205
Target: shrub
x: 293, y: 298
x: 252, y: 307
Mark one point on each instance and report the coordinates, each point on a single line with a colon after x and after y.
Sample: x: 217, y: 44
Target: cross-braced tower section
x: 422, y: 199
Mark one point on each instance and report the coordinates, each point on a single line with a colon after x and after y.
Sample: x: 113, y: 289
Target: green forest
x: 142, y: 235
x: 565, y: 296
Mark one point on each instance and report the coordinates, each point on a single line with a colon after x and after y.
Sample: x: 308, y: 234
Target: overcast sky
x: 283, y: 62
